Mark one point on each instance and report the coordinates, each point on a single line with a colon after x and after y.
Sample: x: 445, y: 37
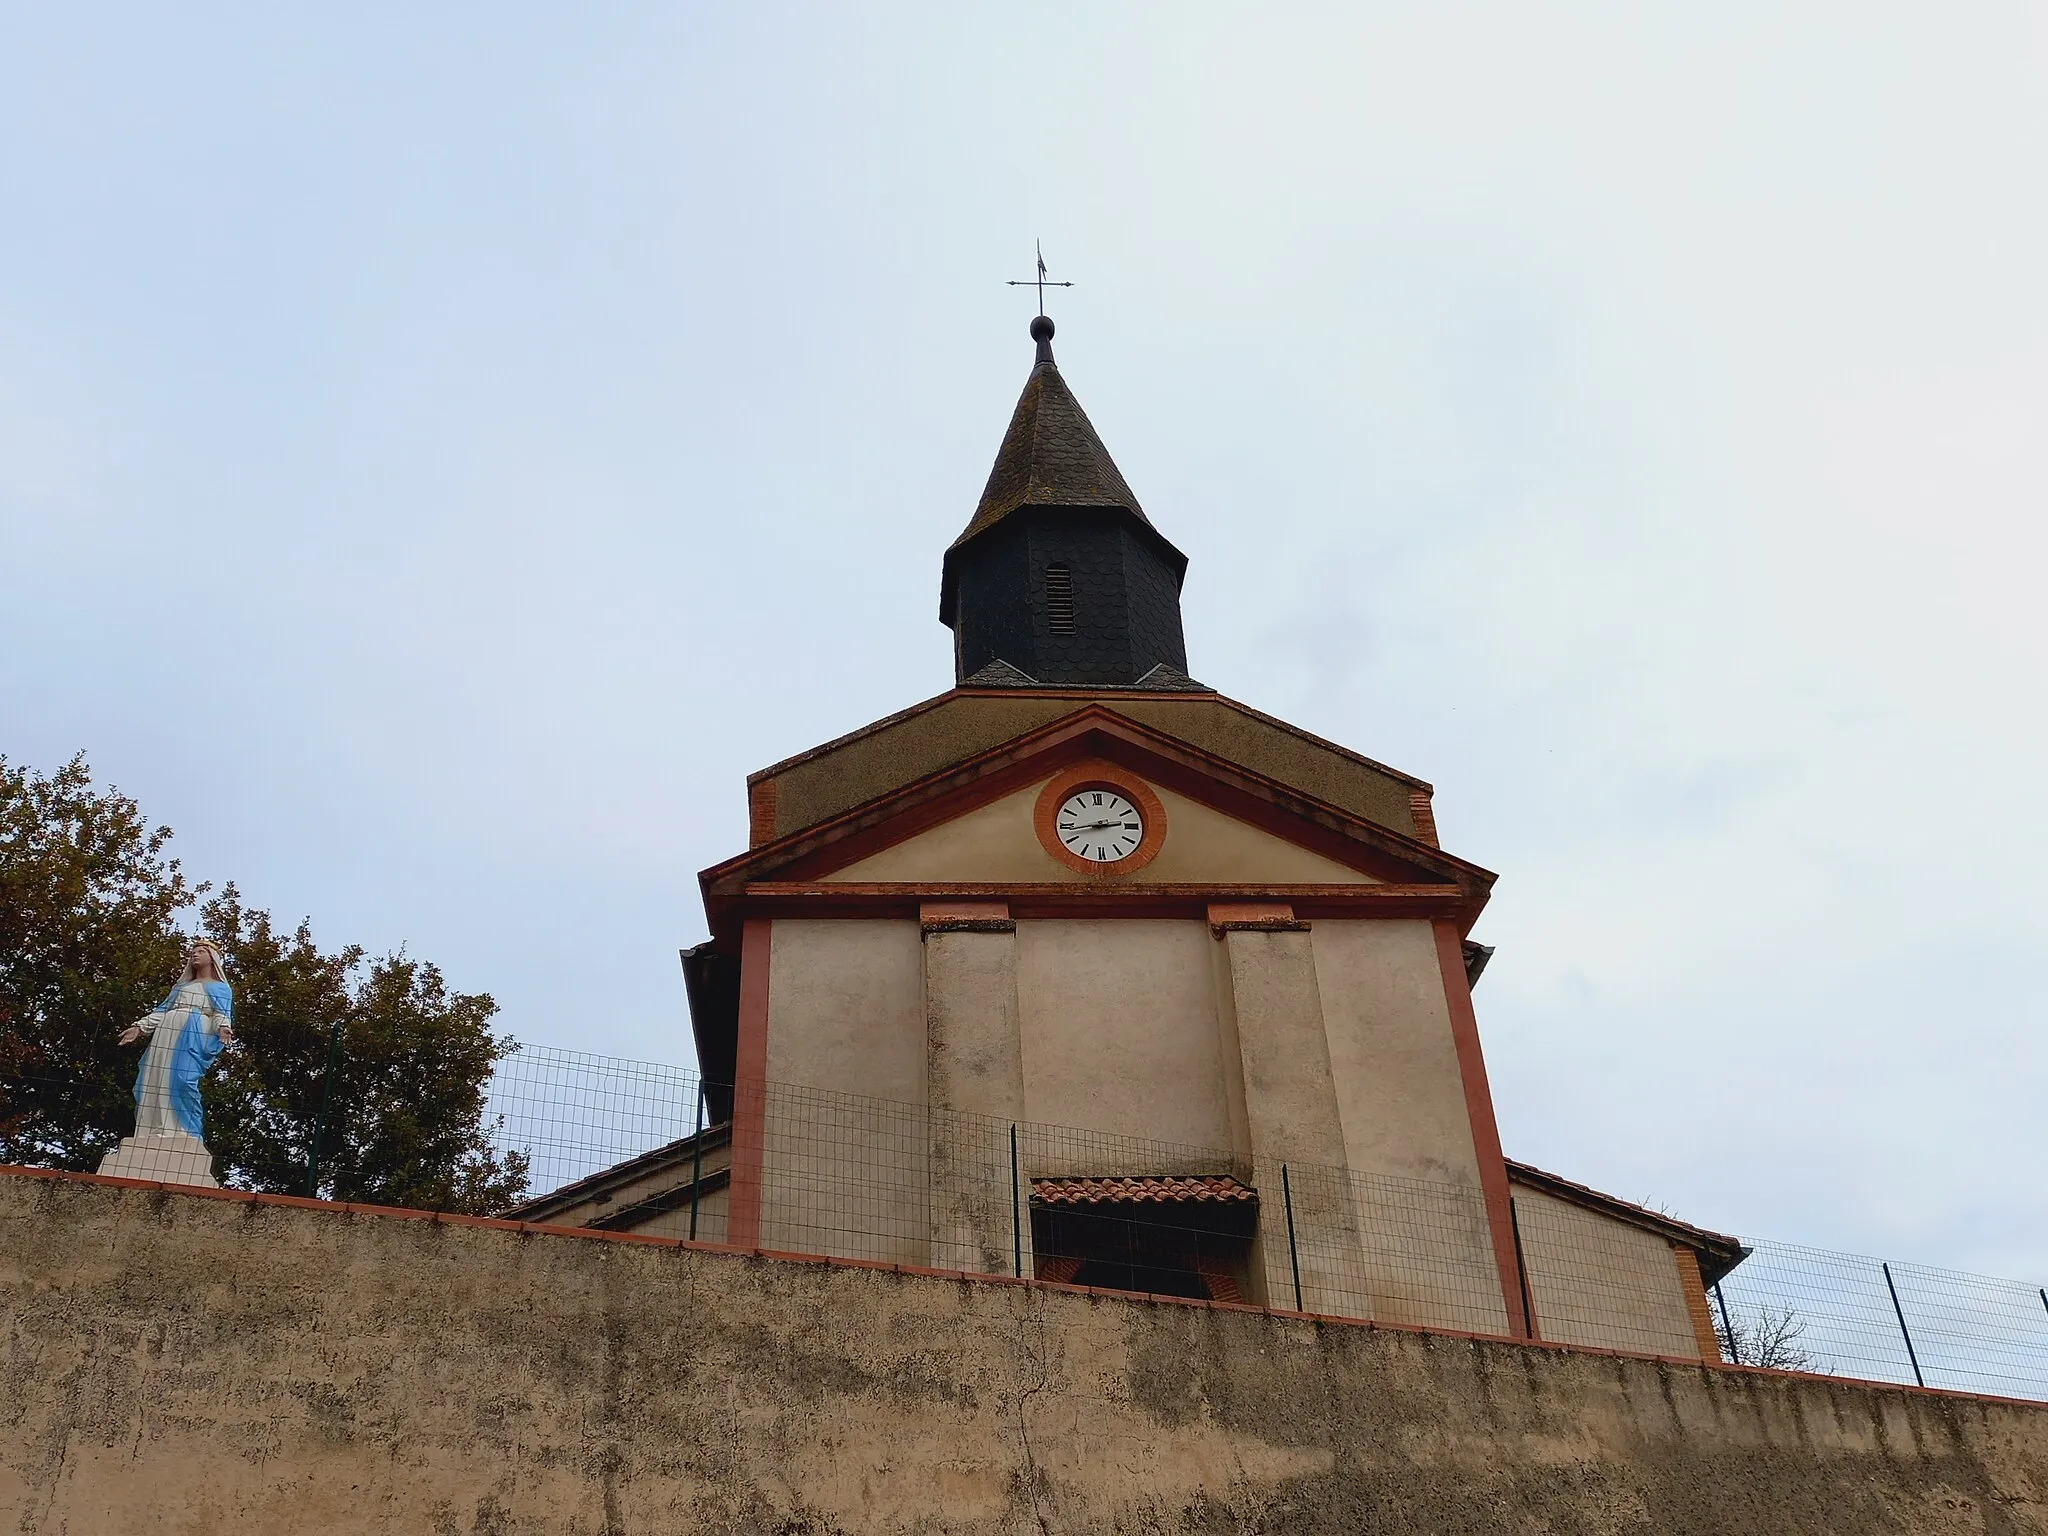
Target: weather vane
x: 1039, y: 282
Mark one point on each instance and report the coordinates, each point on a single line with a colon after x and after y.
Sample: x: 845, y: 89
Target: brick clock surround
x: 1103, y: 775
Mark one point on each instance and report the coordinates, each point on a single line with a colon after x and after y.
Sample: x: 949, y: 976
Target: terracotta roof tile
x: 1718, y: 1252
x: 1143, y: 1189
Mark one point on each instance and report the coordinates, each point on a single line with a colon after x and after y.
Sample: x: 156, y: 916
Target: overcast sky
x: 444, y: 449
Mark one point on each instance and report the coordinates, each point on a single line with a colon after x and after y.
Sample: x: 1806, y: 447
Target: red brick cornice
x: 796, y: 898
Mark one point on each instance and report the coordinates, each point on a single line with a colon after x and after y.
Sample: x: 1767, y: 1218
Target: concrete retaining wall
x: 178, y: 1363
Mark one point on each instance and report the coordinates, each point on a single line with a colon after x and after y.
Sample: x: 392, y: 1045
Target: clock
x: 1099, y: 824
x: 1099, y: 819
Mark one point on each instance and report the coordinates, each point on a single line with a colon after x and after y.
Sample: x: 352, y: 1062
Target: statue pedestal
x: 166, y: 1159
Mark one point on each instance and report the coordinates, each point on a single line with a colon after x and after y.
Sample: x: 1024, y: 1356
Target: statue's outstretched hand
x: 131, y: 1034
x: 227, y: 1034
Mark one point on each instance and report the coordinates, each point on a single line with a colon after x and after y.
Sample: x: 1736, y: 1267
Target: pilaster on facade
x: 1308, y: 1227
x: 974, y: 1076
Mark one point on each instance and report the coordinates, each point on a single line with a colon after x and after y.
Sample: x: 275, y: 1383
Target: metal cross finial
x: 1039, y: 282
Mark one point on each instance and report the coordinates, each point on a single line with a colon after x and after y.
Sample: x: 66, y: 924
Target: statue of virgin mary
x: 186, y: 1032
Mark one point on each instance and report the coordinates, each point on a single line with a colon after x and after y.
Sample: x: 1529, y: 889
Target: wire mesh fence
x: 598, y: 1142
x: 1809, y: 1309
x: 573, y: 1114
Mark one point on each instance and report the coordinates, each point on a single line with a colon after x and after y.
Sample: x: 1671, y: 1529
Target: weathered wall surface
x: 840, y: 775
x: 171, y: 1362
x: 1392, y: 1054
x: 1105, y: 1005
x: 1595, y: 1280
x: 846, y: 1006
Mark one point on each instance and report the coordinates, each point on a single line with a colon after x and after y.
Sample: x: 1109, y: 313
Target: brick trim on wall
x: 760, y: 813
x: 1253, y: 917
x: 964, y: 917
x: 1493, y: 1167
x: 1696, y: 1302
x: 1425, y: 817
x: 1217, y: 1275
x: 1060, y: 1271
x: 750, y: 1087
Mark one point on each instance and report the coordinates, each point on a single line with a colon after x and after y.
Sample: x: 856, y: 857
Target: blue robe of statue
x: 184, y: 1039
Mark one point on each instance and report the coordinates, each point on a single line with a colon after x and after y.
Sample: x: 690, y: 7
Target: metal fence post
x: 1016, y: 1211
x: 1522, y: 1272
x: 1734, y: 1348
x: 1293, y: 1256
x: 1904, y: 1332
x: 697, y: 1158
x: 320, y: 1120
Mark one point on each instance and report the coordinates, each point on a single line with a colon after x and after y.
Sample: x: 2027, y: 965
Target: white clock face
x: 1099, y: 825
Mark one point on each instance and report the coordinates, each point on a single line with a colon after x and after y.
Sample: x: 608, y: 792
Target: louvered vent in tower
x: 1059, y: 599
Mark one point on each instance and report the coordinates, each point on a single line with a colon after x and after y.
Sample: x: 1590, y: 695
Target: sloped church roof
x: 1051, y: 456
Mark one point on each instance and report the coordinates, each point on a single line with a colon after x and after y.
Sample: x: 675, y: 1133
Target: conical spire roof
x: 1051, y: 456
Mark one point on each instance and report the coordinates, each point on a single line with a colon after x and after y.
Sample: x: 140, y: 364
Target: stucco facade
x: 1126, y: 1024
x: 945, y: 1008
x: 1119, y: 1030
x: 846, y: 1051
x: 1322, y: 1048
x: 846, y: 1007
x: 1599, y: 1281
x: 1131, y: 1046
x: 1392, y: 1059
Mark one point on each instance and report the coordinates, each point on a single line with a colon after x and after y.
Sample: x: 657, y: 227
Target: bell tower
x: 1082, y: 972
x: 1060, y: 579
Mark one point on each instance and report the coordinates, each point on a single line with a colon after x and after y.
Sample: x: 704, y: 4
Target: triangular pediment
x: 1003, y: 841
x: 982, y: 822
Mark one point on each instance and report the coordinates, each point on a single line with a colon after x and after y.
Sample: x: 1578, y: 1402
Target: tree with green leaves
x: 92, y: 915
x: 89, y: 903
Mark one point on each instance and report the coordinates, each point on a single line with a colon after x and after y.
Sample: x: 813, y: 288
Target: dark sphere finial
x: 1041, y: 332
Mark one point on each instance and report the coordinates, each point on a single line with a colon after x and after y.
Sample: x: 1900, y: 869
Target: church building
x: 1082, y: 972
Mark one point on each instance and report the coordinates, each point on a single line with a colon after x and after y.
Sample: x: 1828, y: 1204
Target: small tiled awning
x: 1144, y: 1189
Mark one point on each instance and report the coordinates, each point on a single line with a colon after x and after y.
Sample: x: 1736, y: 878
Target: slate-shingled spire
x: 1059, y: 578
